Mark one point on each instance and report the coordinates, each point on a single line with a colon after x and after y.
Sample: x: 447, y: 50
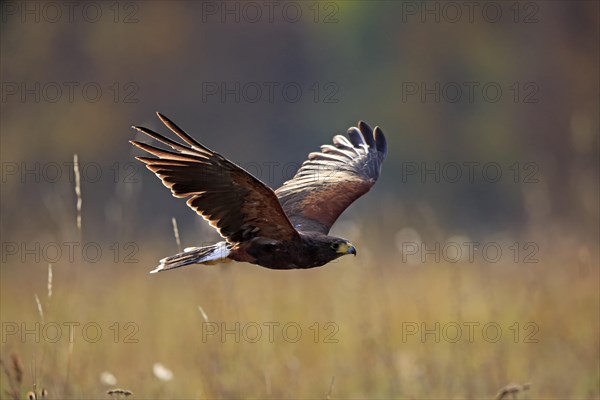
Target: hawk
x: 282, y: 229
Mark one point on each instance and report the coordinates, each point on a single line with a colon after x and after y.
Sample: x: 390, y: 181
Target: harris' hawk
x: 282, y: 229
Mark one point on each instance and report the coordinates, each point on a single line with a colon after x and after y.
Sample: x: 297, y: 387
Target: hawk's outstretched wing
x: 237, y: 204
x: 329, y: 181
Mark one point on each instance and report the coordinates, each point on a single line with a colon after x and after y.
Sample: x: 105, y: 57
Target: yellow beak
x: 347, y: 248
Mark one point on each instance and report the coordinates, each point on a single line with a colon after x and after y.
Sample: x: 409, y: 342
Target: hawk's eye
x: 335, y: 246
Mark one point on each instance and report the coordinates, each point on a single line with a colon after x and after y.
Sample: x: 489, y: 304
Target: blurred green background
x: 264, y: 84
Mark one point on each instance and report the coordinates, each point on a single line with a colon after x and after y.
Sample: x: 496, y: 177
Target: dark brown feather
x: 329, y: 181
x: 240, y: 206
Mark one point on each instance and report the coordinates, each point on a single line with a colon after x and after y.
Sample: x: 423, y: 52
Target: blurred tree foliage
x: 352, y: 60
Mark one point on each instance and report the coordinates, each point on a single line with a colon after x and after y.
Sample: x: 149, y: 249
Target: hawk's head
x: 341, y: 247
x: 323, y: 249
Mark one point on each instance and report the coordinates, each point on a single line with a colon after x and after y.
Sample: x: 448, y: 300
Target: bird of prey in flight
x: 282, y: 229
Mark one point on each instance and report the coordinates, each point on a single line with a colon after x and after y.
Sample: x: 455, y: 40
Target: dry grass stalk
x: 17, y: 367
x: 330, y: 391
x: 268, y: 384
x: 33, y: 395
x: 39, y: 307
x: 204, y: 316
x: 15, y: 378
x: 69, y: 356
x: 77, y: 191
x: 119, y: 393
x: 176, y: 234
x: 49, y: 281
x: 512, y: 389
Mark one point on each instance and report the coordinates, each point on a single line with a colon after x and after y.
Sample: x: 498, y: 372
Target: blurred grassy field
x: 365, y: 309
x: 372, y: 300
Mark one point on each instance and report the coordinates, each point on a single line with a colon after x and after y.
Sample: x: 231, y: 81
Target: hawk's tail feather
x: 195, y: 255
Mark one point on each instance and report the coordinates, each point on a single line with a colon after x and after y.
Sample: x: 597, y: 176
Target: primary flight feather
x: 282, y: 229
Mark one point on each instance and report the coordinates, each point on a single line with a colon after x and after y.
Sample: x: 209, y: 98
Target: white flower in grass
x: 108, y: 379
x: 162, y: 372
